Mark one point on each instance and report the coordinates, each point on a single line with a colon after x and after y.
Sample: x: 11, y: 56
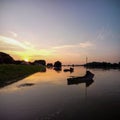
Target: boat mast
x: 86, y: 63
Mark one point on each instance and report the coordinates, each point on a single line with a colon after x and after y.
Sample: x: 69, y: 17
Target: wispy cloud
x: 13, y: 33
x: 105, y: 33
x: 86, y: 44
x: 27, y: 50
x: 64, y: 46
x: 13, y: 42
x: 22, y: 49
x: 101, y: 34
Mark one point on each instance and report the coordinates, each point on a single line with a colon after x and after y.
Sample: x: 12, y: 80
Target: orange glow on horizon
x: 26, y: 60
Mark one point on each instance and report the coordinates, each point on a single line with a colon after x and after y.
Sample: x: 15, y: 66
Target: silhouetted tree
x: 102, y: 65
x: 40, y: 62
x: 6, y: 58
x: 18, y: 62
x: 49, y: 65
x: 58, y: 64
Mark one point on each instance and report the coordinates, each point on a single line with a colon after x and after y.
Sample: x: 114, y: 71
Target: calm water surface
x: 49, y: 97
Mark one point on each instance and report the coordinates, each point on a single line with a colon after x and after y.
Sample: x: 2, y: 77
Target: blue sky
x: 66, y: 30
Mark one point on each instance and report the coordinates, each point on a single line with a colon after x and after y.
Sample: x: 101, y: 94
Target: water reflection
x: 6, y: 83
x: 103, y: 68
x: 87, y: 83
x: 49, y: 97
x: 58, y: 69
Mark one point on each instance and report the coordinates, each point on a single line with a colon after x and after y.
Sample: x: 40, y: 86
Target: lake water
x: 49, y: 97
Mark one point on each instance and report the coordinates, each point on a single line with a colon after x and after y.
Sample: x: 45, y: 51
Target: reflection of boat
x: 88, y: 79
x: 70, y: 70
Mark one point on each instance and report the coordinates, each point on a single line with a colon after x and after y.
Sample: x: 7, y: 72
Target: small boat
x: 87, y: 78
x: 69, y: 70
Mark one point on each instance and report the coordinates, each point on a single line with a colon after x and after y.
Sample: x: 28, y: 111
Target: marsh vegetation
x: 10, y: 73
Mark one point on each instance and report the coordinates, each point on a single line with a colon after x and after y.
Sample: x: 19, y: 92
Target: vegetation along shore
x: 10, y: 73
x: 13, y: 70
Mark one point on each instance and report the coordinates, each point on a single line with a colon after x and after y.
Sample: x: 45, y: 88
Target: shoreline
x: 10, y: 73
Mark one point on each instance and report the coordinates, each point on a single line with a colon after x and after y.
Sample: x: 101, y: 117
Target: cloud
x: 26, y: 50
x: 10, y: 42
x: 86, y: 44
x: 13, y: 42
x: 64, y: 46
x: 28, y: 44
x: 105, y: 34
x: 101, y: 34
x: 13, y: 34
x: 22, y: 48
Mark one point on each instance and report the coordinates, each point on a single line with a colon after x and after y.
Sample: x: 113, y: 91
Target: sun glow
x: 26, y: 60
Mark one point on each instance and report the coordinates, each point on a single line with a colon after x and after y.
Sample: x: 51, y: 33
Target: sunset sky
x: 65, y: 30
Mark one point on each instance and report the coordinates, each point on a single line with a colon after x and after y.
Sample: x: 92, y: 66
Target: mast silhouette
x: 86, y: 59
x: 86, y: 62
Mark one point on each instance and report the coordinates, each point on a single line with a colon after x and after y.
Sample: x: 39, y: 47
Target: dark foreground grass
x: 10, y: 73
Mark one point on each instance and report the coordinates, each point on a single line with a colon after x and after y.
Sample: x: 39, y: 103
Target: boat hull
x: 88, y: 79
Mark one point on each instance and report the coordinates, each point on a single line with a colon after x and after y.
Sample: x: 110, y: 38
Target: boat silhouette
x: 87, y: 79
x: 69, y: 70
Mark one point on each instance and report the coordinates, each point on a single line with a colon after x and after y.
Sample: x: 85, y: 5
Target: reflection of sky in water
x: 49, y: 77
x: 51, y: 98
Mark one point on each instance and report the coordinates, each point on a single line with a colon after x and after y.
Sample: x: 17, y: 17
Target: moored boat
x: 87, y: 78
x: 69, y: 70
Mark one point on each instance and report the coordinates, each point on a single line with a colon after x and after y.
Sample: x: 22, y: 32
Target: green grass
x: 10, y: 73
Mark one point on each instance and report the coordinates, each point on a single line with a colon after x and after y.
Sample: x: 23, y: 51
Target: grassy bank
x: 10, y: 73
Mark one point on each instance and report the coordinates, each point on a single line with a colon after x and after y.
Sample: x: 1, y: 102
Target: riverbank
x: 10, y: 73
